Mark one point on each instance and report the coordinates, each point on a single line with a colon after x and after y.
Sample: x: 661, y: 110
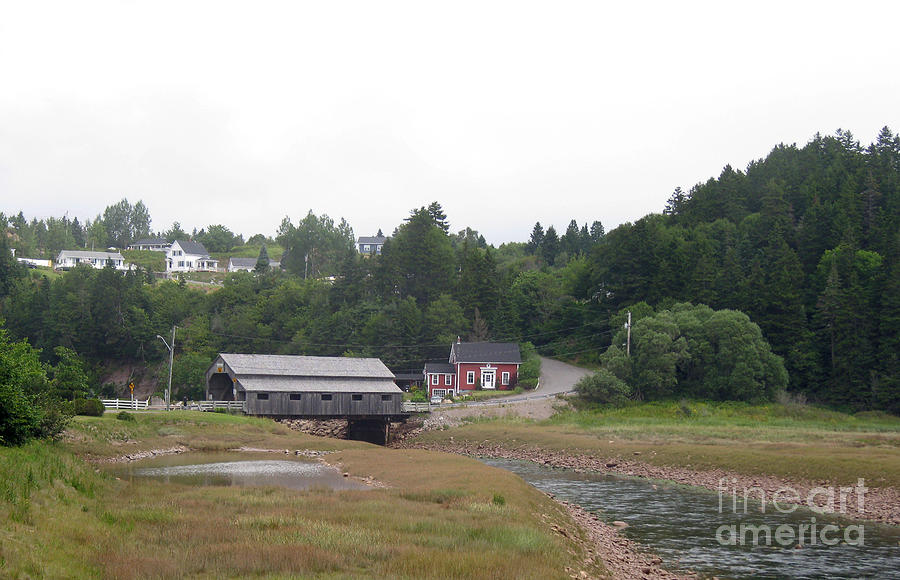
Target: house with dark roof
x: 474, y: 366
x: 187, y: 256
x: 370, y: 245
x: 153, y: 244
x: 248, y: 264
x: 305, y: 386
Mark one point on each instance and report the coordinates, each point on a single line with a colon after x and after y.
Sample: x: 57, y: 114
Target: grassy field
x: 791, y: 441
x: 441, y: 516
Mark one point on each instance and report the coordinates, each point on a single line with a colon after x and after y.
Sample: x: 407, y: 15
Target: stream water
x: 687, y: 529
x: 225, y: 469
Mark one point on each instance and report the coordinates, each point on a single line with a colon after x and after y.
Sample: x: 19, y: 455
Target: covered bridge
x: 306, y: 386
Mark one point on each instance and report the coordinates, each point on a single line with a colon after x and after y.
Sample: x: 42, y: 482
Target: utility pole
x: 171, y: 361
x: 628, y: 335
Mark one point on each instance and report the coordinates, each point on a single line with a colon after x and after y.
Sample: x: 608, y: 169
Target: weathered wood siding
x: 317, y: 405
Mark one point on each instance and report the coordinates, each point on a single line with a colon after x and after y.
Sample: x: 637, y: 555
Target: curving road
x: 556, y: 378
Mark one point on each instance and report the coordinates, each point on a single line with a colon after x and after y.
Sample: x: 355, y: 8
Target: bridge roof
x: 286, y: 373
x: 306, y: 366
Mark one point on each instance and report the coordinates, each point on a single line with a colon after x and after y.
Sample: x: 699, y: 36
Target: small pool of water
x: 680, y: 524
x: 237, y: 469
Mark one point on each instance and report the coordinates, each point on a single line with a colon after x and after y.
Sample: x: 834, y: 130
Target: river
x: 707, y: 532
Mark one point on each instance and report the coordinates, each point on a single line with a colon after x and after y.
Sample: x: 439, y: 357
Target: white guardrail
x: 411, y: 407
x: 132, y: 404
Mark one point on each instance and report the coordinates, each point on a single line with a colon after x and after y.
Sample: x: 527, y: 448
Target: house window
x: 386, y: 397
x: 181, y: 263
x: 470, y: 378
x: 448, y: 380
x: 326, y: 397
x: 262, y: 396
x: 504, y: 378
x: 366, y: 248
x: 356, y: 397
x: 295, y: 396
x: 434, y: 379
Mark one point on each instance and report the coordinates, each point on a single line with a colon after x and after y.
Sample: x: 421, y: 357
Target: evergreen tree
x: 550, y: 246
x: 262, y: 261
x: 536, y: 241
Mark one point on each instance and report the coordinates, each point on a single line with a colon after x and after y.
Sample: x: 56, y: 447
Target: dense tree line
x: 804, y: 242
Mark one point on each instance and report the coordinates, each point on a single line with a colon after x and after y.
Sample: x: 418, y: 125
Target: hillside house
x: 153, y: 244
x: 248, y: 264
x: 370, y: 245
x: 305, y: 386
x: 186, y: 256
x: 475, y: 366
x: 68, y: 259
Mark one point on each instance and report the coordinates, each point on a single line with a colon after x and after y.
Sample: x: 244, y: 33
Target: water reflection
x: 209, y: 469
x: 680, y: 524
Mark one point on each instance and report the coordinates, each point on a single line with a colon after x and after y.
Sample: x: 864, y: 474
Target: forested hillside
x: 805, y: 242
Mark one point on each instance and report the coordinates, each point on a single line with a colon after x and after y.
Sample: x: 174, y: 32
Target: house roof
x: 88, y: 255
x: 190, y: 247
x: 243, y: 262
x: 371, y: 240
x: 150, y: 242
x: 439, y: 368
x: 485, y: 352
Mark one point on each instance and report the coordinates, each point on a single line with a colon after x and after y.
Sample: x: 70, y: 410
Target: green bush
x: 530, y: 369
x: 603, y: 387
x: 88, y: 407
x: 125, y: 416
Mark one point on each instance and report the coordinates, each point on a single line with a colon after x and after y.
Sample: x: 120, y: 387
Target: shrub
x: 603, y: 387
x: 530, y: 369
x: 125, y: 416
x: 88, y: 407
x: 55, y: 417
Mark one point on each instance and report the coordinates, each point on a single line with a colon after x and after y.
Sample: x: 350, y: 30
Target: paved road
x: 556, y: 377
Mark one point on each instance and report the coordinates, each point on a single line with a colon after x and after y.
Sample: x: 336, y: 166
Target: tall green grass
x: 438, y: 517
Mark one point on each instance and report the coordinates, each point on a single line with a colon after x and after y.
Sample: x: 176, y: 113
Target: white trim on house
x: 72, y: 258
x: 179, y: 259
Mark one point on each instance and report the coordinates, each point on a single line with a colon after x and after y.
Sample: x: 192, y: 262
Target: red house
x: 475, y: 365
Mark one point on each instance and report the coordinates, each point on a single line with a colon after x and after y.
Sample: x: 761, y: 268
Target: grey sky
x: 505, y: 112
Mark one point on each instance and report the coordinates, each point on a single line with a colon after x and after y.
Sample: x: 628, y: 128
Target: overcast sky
x: 506, y: 113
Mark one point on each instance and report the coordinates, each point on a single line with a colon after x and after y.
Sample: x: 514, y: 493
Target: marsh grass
x: 439, y: 517
x: 794, y: 441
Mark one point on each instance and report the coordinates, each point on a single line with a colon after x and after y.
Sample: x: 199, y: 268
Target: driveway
x: 556, y: 378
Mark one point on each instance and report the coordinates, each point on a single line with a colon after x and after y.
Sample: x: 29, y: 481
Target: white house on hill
x: 370, y: 245
x: 185, y: 256
x: 70, y: 258
x: 248, y: 264
x: 154, y: 244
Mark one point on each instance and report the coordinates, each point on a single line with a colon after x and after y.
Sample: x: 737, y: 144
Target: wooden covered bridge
x: 361, y: 390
